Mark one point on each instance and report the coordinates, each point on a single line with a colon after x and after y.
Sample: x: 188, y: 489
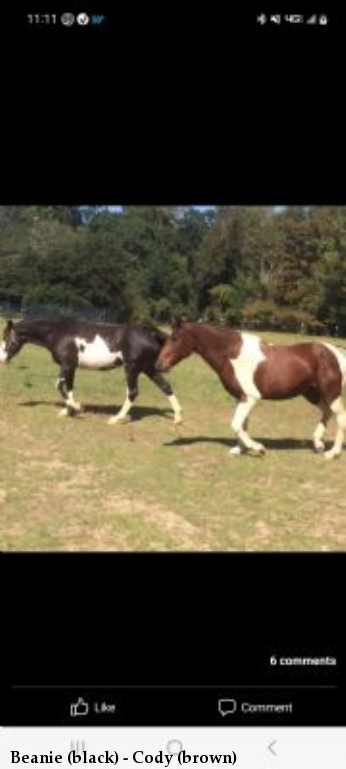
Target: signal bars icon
x: 323, y: 19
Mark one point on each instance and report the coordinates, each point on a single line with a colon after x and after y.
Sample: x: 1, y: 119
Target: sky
x: 199, y: 208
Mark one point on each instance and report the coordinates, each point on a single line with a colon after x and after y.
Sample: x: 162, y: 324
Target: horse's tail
x: 342, y: 364
x: 343, y: 368
x: 340, y: 354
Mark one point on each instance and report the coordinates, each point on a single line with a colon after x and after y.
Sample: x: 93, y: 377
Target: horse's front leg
x: 65, y: 387
x: 131, y: 395
x: 239, y: 424
x: 166, y: 388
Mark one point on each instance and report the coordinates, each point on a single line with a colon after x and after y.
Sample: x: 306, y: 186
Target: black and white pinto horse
x: 76, y: 344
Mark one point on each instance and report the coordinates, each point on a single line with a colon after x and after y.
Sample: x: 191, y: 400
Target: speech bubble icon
x: 227, y: 706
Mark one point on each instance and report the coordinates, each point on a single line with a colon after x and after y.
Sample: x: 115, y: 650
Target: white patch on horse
x: 176, y: 408
x: 3, y: 353
x: 96, y: 354
x: 70, y: 401
x: 246, y: 363
x: 341, y: 358
x: 338, y: 409
x: 123, y: 411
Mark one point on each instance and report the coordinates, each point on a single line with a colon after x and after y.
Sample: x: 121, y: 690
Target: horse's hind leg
x: 239, y: 423
x: 166, y: 388
x: 131, y: 395
x: 321, y: 428
x: 65, y: 387
x: 338, y: 408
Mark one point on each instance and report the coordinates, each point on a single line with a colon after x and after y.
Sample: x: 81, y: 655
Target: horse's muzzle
x: 161, y: 367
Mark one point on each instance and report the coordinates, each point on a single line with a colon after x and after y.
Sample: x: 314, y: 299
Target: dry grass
x: 79, y: 484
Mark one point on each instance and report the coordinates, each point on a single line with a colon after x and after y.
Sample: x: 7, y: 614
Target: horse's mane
x: 32, y: 321
x: 45, y: 319
x: 217, y: 327
x: 221, y: 327
x: 159, y: 335
x: 155, y: 333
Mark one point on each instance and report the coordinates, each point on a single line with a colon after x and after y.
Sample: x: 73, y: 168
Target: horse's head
x: 179, y: 345
x: 11, y: 343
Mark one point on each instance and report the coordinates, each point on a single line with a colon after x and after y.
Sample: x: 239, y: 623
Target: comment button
x: 227, y: 706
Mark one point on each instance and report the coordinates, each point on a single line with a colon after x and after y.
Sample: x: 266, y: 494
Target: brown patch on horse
x: 225, y: 348
x: 308, y: 369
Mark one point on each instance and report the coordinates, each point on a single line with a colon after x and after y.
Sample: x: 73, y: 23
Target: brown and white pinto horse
x: 250, y: 369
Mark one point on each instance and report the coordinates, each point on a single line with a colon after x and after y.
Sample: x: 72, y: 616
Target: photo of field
x: 79, y: 484
x: 75, y: 483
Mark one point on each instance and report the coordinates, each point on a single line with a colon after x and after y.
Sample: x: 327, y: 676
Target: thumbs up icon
x: 80, y: 708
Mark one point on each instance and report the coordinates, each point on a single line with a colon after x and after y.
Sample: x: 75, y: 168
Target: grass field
x: 79, y: 484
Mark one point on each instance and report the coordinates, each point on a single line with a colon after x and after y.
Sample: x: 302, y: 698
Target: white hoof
x: 319, y: 447
x: 74, y: 406
x: 236, y: 451
x: 116, y: 420
x: 178, y: 419
x: 71, y: 411
x: 331, y: 454
x: 257, y: 448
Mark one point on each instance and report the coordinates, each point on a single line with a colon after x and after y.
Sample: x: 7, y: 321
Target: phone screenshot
x: 172, y: 388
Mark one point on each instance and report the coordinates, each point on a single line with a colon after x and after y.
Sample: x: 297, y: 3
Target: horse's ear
x: 9, y: 325
x: 176, y: 324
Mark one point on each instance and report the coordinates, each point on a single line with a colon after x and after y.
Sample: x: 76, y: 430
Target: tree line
x: 251, y: 266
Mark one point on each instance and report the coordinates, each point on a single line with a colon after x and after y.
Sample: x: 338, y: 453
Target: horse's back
x: 142, y: 345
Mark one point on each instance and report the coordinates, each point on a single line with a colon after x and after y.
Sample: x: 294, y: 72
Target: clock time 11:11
x: 41, y: 18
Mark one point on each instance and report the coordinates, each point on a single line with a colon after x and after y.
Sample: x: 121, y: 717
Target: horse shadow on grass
x: 137, y: 412
x: 283, y: 444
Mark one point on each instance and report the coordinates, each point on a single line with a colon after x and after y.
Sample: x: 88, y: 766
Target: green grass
x: 79, y: 484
